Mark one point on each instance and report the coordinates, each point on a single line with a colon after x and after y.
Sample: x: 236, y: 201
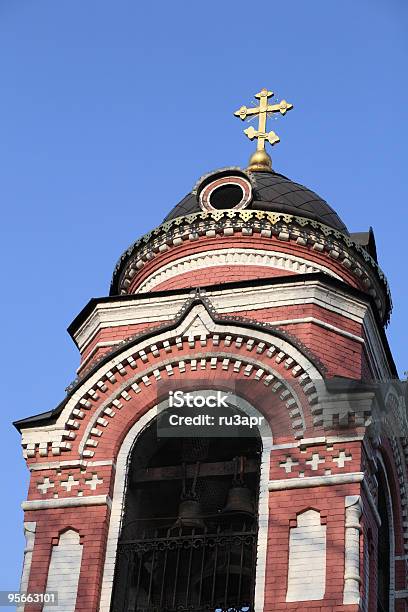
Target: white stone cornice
x: 161, y: 309
x: 298, y: 321
x: 321, y: 440
x: 66, y: 502
x: 69, y: 464
x: 315, y: 481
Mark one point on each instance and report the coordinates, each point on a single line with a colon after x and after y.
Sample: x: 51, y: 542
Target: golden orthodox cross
x: 263, y: 110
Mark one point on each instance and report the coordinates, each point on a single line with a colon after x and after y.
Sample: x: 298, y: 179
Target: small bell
x: 239, y: 498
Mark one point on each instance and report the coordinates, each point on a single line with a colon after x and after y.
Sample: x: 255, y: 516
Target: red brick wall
x: 91, y: 522
x: 284, y: 506
x: 255, y: 241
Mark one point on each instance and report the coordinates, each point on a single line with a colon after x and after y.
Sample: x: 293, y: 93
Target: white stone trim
x: 66, y: 502
x: 307, y: 558
x: 297, y: 321
x: 320, y: 440
x: 161, y: 309
x: 29, y: 533
x: 232, y: 257
x: 352, y: 579
x: 119, y: 496
x: 69, y: 464
x: 285, y: 484
x: 64, y: 571
x: 263, y: 521
x: 109, y: 314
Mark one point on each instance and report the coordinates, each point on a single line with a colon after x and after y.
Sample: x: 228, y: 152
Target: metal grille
x: 189, y: 527
x: 201, y: 572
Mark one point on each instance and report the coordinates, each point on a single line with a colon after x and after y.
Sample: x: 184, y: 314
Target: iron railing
x: 200, y: 572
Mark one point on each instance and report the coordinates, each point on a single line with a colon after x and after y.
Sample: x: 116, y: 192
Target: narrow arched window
x: 189, y: 530
x: 307, y: 558
x: 383, y: 546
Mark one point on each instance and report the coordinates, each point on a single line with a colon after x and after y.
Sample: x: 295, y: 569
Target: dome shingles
x: 276, y: 193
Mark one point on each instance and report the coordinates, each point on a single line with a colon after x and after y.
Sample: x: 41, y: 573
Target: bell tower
x: 236, y: 436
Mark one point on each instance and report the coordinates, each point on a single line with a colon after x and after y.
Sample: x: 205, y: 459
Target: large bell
x: 239, y: 500
x: 189, y: 514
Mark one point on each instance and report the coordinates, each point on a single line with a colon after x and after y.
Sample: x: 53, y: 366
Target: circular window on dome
x: 226, y: 193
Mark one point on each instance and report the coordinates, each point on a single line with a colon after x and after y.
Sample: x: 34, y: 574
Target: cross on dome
x: 260, y: 160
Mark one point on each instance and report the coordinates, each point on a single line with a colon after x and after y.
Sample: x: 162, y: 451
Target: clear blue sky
x: 110, y: 111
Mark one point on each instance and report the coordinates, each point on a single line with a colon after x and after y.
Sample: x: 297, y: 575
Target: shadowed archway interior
x: 189, y: 530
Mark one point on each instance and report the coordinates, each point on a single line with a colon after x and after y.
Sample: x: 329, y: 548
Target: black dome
x: 275, y: 193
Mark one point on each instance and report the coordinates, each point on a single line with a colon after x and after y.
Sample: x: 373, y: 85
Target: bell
x: 239, y: 500
x: 189, y: 514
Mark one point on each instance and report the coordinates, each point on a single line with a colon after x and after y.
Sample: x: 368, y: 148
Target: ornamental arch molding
x: 198, y: 339
x: 232, y: 257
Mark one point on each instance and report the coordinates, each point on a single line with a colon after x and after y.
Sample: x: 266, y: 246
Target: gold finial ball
x: 260, y: 161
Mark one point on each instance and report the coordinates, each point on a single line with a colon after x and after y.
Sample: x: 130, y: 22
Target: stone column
x: 352, y: 580
x: 29, y: 532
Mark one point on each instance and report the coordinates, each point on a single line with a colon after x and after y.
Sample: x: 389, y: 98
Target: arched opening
x: 384, y: 545
x: 189, y: 529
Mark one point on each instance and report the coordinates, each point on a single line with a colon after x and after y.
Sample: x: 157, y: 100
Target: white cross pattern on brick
x: 288, y: 464
x: 45, y: 485
x: 93, y: 482
x: 71, y: 482
x: 341, y: 459
x: 314, y: 461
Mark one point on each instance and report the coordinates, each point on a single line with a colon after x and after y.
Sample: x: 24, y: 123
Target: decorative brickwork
x: 286, y: 312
